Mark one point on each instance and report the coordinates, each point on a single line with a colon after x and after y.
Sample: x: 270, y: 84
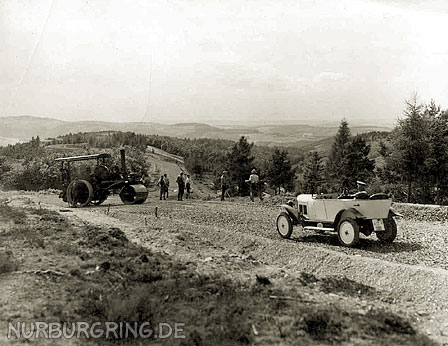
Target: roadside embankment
x: 422, y: 212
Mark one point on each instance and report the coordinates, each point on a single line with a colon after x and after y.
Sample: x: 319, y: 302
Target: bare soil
x: 221, y: 268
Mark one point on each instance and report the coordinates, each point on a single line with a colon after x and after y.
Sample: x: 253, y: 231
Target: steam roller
x: 133, y: 194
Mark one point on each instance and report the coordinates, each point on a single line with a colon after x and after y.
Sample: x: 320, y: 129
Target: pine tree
x: 312, y: 172
x: 335, y: 165
x: 410, y: 146
x: 280, y: 173
x: 356, y: 163
x: 436, y: 163
x: 348, y: 160
x: 239, y: 164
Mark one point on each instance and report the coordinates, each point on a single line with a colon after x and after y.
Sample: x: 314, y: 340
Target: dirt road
x: 238, y: 238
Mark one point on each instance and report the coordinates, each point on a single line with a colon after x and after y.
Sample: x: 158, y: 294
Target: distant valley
x: 19, y: 128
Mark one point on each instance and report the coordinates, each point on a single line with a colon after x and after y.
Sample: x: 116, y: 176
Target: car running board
x: 314, y: 228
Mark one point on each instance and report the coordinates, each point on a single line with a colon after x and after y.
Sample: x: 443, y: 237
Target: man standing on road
x: 254, y: 181
x: 167, y: 186
x: 188, y: 186
x: 161, y: 184
x: 224, y: 184
x: 180, y: 186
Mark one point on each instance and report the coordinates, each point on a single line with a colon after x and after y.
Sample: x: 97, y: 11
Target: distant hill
x: 6, y: 141
x: 18, y: 128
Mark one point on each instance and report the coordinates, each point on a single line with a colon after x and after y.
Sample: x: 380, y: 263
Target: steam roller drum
x: 79, y: 193
x: 134, y: 194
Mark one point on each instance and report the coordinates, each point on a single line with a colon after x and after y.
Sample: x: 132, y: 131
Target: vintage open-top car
x: 348, y: 215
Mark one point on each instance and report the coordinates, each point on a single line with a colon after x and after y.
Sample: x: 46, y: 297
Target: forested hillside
x: 410, y: 163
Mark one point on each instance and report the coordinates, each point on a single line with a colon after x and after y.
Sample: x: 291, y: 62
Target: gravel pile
x: 421, y: 212
x: 275, y: 200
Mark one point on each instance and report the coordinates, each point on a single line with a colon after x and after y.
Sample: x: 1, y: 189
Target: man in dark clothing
x: 162, y: 186
x: 166, y: 182
x: 180, y: 186
x: 188, y: 187
x: 361, y: 186
x: 362, y: 193
x: 224, y: 184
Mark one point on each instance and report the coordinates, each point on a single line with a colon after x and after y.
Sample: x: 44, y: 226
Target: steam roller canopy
x: 134, y: 194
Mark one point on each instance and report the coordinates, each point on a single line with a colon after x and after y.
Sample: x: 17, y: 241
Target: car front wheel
x: 284, y: 225
x: 348, y: 232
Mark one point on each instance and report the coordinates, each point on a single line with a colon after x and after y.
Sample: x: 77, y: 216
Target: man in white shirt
x: 254, y: 184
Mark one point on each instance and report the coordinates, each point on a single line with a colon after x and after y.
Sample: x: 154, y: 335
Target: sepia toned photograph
x: 209, y: 172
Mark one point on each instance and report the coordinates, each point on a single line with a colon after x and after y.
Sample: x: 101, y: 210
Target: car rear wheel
x: 284, y: 225
x: 348, y: 232
x: 390, y: 231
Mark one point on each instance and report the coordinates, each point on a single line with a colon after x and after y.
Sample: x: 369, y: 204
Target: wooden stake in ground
x: 155, y: 211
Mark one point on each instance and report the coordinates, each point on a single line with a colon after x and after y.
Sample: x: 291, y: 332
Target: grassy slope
x: 96, y: 274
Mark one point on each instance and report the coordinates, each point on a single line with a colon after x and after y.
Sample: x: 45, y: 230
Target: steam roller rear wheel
x: 133, y: 194
x: 79, y: 193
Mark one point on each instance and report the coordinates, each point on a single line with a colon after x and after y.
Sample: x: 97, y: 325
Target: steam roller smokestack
x: 123, y: 160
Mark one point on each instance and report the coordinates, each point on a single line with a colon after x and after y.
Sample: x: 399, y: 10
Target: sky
x: 221, y: 62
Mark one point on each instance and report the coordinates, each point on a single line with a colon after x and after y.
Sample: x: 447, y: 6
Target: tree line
x: 206, y: 156
x: 410, y: 162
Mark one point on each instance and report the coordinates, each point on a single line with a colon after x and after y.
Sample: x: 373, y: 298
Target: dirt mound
x: 422, y: 212
x: 106, y: 238
x: 276, y: 200
x: 336, y: 284
x: 333, y: 326
x: 8, y: 263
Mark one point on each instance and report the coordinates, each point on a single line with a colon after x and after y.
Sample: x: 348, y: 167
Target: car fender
x: 292, y: 212
x: 345, y: 213
x: 393, y: 213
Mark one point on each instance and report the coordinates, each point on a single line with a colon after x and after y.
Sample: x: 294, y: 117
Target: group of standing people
x: 164, y: 184
x: 183, y: 182
x: 183, y: 185
x: 253, y: 181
